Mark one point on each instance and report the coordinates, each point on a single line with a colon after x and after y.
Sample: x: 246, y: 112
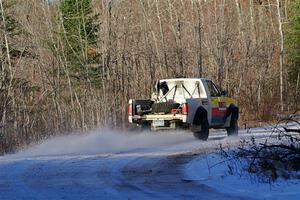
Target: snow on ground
x: 110, y: 164
x: 89, y: 166
x: 212, y: 170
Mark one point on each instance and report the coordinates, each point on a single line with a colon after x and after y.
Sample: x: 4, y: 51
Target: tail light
x: 176, y: 111
x: 130, y: 109
x: 185, y: 109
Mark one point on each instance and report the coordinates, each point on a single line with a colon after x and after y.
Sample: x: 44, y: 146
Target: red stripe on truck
x: 218, y: 112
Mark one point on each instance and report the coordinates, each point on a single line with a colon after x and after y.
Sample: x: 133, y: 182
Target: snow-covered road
x: 111, y: 165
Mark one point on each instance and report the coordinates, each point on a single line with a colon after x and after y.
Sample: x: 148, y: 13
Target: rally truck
x: 197, y: 104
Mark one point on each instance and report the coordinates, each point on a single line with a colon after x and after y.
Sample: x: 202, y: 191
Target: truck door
x: 217, y: 104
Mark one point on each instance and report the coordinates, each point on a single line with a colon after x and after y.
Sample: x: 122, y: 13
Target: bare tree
x: 281, y: 52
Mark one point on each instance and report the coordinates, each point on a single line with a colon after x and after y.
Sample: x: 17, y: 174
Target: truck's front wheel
x: 200, y: 126
x: 232, y: 130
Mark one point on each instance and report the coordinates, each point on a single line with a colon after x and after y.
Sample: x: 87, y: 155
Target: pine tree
x: 79, y: 36
x: 293, y: 42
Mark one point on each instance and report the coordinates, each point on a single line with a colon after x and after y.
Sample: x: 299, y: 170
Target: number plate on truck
x: 158, y: 123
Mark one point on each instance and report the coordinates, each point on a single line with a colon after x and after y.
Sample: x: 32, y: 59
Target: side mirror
x: 224, y: 93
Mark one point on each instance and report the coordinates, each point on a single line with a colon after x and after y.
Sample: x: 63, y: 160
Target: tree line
x: 72, y: 65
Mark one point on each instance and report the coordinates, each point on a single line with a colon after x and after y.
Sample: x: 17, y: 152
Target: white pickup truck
x: 193, y: 103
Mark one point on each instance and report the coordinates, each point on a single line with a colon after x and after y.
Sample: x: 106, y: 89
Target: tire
x: 200, y: 126
x: 164, y: 107
x: 233, y: 129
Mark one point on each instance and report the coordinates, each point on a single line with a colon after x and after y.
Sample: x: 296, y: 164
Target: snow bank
x: 213, y: 171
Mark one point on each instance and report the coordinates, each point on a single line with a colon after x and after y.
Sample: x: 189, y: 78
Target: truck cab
x: 193, y: 103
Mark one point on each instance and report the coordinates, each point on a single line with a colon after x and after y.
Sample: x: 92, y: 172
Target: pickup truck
x: 191, y: 103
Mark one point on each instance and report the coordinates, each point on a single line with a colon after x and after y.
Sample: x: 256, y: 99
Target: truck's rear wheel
x: 232, y: 130
x: 200, y: 126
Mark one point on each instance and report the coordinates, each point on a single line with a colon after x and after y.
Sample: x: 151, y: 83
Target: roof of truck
x: 185, y: 79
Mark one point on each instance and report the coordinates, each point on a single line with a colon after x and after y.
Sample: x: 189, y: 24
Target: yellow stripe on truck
x: 227, y: 100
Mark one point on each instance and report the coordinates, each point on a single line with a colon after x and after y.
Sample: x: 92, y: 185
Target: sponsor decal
x: 222, y: 106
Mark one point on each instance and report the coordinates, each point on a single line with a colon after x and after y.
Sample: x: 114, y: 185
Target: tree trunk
x: 281, y: 52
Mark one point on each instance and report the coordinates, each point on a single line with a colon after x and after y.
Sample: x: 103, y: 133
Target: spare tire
x: 164, y: 107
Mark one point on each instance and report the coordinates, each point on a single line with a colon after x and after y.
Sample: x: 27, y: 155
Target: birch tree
x: 281, y: 59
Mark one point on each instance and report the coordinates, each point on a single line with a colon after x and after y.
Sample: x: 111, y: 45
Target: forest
x: 72, y: 65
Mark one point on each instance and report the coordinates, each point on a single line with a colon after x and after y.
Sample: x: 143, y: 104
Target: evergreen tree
x: 79, y: 36
x: 293, y: 42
